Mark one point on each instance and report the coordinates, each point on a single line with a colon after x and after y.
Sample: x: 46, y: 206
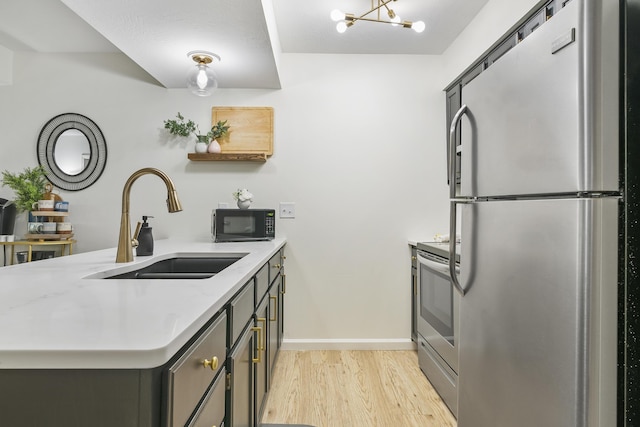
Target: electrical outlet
x: 223, y: 205
x: 287, y: 210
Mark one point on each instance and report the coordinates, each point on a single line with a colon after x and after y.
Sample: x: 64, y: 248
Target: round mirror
x: 72, y: 151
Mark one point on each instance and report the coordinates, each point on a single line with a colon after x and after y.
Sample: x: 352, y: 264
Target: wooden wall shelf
x: 49, y: 213
x: 247, y: 157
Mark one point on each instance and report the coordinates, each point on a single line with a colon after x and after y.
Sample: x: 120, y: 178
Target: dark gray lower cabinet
x: 221, y: 377
x: 80, y: 397
x: 192, y: 374
x: 414, y: 295
x: 240, y: 409
x: 276, y: 322
x: 261, y: 364
x: 212, y: 410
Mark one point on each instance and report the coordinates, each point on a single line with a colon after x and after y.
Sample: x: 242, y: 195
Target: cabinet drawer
x: 211, y: 412
x: 275, y: 265
x: 192, y: 374
x: 241, y: 311
x: 262, y: 283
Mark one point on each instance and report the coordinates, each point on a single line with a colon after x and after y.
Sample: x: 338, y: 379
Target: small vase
x: 244, y: 204
x: 202, y: 143
x: 213, y: 147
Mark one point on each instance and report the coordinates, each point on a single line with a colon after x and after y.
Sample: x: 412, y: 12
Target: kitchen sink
x: 191, y: 267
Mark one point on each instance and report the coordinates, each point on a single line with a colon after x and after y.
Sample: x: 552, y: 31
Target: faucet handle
x: 134, y: 239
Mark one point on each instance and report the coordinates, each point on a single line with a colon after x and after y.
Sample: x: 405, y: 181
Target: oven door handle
x: 436, y: 266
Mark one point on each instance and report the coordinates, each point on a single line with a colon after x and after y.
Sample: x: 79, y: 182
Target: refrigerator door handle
x: 452, y: 150
x: 452, y: 247
x: 452, y: 194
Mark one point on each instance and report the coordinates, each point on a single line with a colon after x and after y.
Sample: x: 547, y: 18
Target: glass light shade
x: 337, y: 15
x: 201, y: 80
x: 418, y: 26
x: 396, y: 21
x: 341, y: 27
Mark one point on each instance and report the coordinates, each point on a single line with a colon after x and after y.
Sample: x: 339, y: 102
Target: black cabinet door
x: 261, y: 364
x: 241, y: 369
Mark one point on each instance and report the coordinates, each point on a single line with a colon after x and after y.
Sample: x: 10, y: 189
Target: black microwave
x: 242, y: 225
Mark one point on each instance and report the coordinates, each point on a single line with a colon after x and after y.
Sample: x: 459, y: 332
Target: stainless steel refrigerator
x: 538, y: 208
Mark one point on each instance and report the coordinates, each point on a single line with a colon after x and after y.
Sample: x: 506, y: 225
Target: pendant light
x: 201, y: 79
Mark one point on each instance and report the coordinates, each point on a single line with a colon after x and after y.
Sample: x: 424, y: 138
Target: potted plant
x: 28, y: 186
x: 182, y: 127
x: 218, y: 130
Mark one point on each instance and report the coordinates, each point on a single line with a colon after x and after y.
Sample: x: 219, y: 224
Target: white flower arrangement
x: 242, y: 195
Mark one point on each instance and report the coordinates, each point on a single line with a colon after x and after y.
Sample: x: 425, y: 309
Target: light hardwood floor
x: 353, y: 389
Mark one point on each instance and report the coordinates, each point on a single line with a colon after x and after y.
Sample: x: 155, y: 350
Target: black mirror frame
x: 46, y: 146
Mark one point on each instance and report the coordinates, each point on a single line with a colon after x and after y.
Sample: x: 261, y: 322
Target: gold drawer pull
x: 276, y: 266
x: 213, y: 363
x: 258, y: 347
x: 275, y: 308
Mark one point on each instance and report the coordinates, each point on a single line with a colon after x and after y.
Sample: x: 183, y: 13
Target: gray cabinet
x: 212, y: 411
x: 414, y: 294
x: 192, y: 374
x: 253, y: 354
x: 221, y: 377
x: 80, y: 397
x: 261, y: 364
x: 240, y: 390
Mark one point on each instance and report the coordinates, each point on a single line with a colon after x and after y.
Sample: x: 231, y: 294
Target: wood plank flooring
x: 353, y: 389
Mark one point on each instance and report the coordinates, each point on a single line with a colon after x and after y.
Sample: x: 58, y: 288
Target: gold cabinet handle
x: 275, y: 309
x: 213, y: 363
x: 413, y: 258
x: 264, y: 332
x: 259, y: 346
x: 276, y: 266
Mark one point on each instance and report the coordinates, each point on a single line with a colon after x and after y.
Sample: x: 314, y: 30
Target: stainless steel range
x: 437, y: 323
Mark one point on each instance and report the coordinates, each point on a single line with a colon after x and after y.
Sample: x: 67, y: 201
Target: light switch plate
x: 287, y: 210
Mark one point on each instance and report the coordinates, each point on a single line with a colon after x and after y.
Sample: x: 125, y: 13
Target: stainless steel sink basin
x: 199, y: 267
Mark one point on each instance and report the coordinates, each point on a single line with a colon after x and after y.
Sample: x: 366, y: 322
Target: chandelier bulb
x: 341, y: 27
x: 337, y: 15
x: 418, y: 26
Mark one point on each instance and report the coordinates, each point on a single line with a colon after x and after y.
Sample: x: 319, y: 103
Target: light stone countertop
x: 53, y: 317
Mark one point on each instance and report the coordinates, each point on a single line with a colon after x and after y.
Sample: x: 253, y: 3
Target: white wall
x: 358, y: 146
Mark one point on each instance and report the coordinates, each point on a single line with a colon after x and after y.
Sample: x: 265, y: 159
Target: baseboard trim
x: 348, y: 344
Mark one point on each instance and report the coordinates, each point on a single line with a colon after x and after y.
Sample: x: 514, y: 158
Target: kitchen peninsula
x: 70, y: 334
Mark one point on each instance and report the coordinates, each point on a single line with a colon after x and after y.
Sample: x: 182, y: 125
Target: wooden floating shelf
x: 42, y: 236
x: 49, y: 213
x: 247, y: 157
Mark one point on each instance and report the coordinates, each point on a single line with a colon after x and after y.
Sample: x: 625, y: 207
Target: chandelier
x: 346, y: 20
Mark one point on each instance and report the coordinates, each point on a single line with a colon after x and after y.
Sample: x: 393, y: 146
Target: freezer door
x: 538, y: 321
x: 533, y: 126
